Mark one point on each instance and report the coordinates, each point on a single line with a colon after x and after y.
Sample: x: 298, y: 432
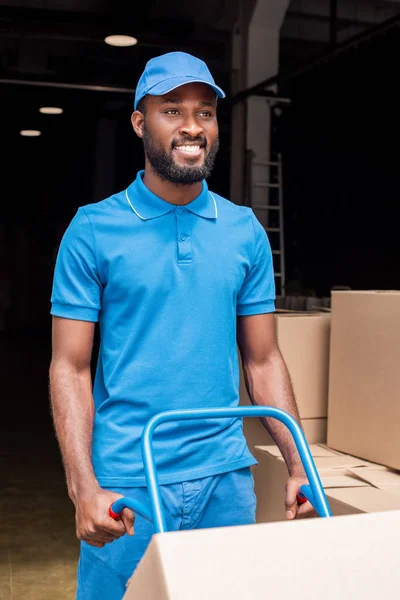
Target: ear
x: 137, y: 120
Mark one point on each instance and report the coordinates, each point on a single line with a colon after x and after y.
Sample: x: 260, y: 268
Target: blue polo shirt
x: 166, y: 283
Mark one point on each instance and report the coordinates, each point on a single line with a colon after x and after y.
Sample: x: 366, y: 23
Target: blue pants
x: 218, y: 501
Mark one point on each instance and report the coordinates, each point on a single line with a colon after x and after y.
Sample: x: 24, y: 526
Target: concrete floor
x: 38, y: 547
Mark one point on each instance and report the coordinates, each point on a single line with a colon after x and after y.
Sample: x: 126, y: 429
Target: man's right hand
x: 93, y: 523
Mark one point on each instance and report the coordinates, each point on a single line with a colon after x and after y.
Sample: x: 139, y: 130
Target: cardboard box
x: 364, y: 381
x: 315, y: 430
x: 257, y: 435
x: 349, y: 557
x: 304, y: 343
x: 352, y: 485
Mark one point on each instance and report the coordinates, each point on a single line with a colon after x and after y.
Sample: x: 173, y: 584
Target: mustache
x: 201, y: 141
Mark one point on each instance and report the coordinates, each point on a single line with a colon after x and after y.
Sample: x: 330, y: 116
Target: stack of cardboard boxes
x: 345, y: 373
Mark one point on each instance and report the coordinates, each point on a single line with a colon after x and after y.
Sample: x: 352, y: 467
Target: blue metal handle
x: 118, y: 506
x: 319, y: 499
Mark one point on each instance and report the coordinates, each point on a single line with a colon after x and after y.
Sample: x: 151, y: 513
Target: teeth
x: 189, y: 148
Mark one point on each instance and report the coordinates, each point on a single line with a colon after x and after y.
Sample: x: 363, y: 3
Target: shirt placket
x: 183, y: 235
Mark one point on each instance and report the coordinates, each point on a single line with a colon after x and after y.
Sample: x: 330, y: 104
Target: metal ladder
x: 272, y: 215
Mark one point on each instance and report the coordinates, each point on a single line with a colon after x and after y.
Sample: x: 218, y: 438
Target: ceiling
x: 53, y: 53
x: 59, y: 44
x: 306, y: 31
x: 62, y: 41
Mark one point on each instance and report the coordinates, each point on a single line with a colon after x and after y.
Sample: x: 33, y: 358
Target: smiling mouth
x: 189, y: 150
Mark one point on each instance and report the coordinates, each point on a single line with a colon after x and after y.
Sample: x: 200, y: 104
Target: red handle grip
x: 301, y: 499
x: 113, y: 514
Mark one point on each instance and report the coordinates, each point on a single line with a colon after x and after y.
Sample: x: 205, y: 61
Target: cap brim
x: 167, y: 86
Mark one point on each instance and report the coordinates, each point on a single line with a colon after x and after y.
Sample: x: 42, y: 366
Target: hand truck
x: 313, y: 492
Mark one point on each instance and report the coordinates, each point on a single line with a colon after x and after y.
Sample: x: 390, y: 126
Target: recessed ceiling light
x: 51, y: 110
x: 120, y: 40
x: 30, y: 132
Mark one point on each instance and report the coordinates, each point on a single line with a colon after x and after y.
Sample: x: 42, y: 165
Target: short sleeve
x: 257, y: 294
x: 77, y: 287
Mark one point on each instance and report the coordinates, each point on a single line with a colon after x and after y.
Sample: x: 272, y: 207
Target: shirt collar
x: 149, y: 206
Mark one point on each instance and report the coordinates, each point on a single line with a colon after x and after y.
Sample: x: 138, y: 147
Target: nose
x: 192, y: 127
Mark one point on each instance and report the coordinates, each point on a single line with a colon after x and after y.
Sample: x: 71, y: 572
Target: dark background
x: 341, y: 175
x: 338, y: 139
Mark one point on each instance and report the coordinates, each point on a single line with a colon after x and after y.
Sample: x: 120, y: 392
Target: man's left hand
x: 293, y: 510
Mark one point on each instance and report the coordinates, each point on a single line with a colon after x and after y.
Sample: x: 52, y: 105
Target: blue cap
x: 164, y: 73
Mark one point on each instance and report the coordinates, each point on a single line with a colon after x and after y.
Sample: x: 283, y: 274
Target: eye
x: 206, y: 113
x: 172, y: 111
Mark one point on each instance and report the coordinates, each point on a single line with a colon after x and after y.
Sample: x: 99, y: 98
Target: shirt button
x: 183, y: 237
x: 179, y: 211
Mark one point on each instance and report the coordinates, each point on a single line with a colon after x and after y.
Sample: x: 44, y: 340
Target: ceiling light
x: 30, y: 132
x: 120, y: 40
x: 51, y: 110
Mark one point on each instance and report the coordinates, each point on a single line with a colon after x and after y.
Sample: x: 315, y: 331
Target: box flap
x: 317, y: 450
x: 367, y: 499
x: 332, y: 452
x: 337, y: 462
x: 366, y: 463
x: 323, y: 459
x: 330, y: 480
x: 373, y: 466
x: 334, y: 463
x: 379, y: 479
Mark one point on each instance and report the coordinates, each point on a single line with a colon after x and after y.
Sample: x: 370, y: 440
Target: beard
x: 165, y: 166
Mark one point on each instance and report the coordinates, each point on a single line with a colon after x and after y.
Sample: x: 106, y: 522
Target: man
x: 175, y: 275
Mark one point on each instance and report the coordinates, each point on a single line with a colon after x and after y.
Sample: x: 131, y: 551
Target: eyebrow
x: 207, y: 103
